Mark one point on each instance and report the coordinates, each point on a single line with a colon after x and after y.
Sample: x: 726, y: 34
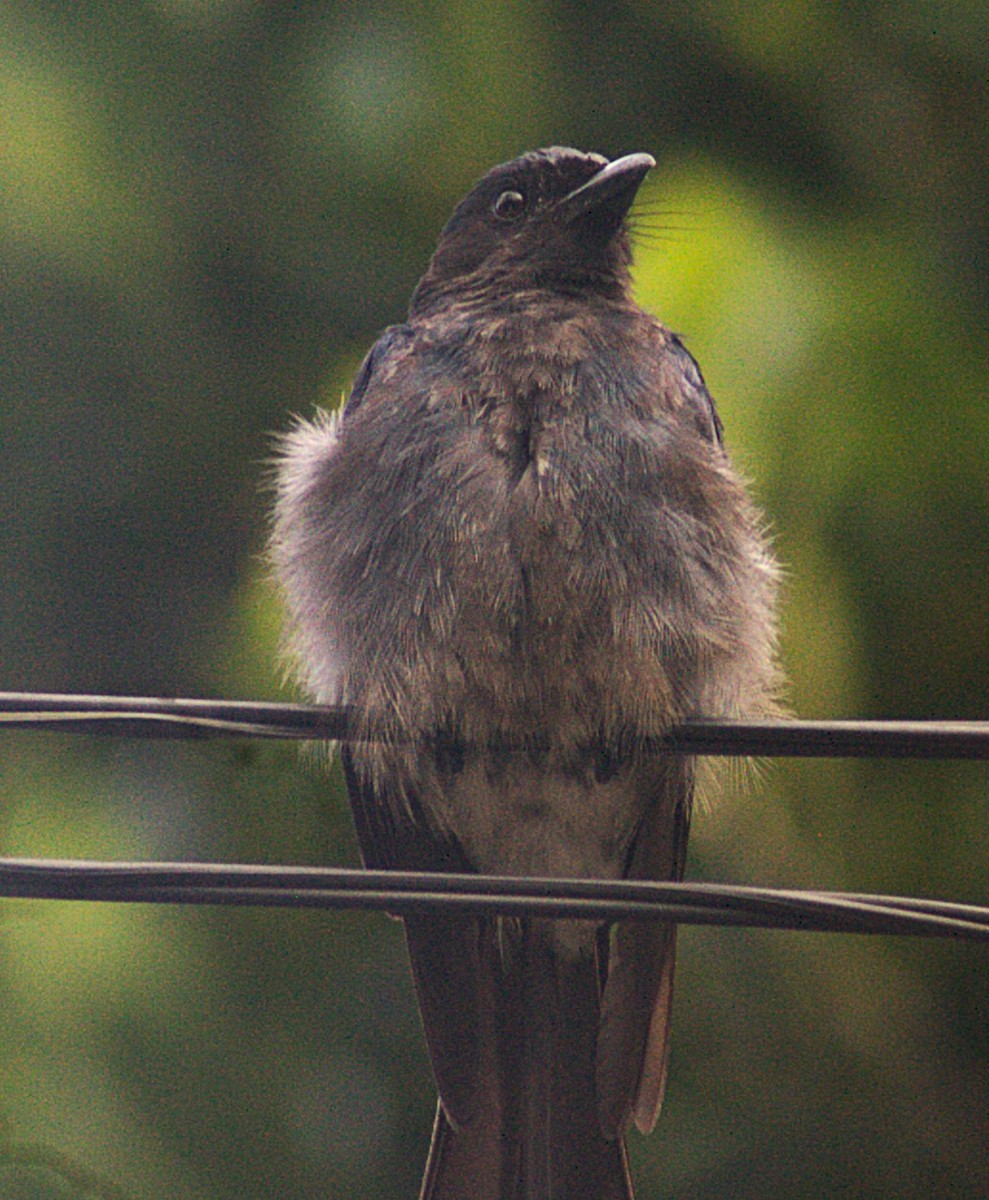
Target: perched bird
x: 521, y: 554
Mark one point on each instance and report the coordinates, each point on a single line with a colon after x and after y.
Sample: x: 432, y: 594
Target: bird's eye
x: 509, y: 205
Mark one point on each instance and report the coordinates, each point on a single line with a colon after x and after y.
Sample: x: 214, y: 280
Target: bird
x: 521, y: 555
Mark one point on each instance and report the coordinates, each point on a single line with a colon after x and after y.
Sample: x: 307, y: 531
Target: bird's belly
x: 517, y: 816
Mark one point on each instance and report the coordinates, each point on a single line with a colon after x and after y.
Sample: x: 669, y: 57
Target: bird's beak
x: 608, y: 195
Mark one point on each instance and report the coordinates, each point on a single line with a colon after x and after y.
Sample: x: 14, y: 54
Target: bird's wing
x: 395, y: 834
x: 444, y: 950
x: 638, y: 988
x: 635, y: 1010
x: 692, y: 393
x: 394, y: 337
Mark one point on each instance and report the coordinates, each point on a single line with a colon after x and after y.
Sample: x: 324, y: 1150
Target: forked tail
x: 535, y: 1132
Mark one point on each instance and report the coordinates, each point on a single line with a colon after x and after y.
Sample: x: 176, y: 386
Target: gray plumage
x: 519, y: 553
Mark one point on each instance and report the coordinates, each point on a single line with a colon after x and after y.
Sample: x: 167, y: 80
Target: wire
x: 139, y: 716
x: 403, y: 893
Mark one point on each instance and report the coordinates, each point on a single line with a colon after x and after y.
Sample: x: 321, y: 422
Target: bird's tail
x: 535, y: 1132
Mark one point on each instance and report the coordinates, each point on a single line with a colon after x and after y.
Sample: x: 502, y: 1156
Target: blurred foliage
x: 207, y: 210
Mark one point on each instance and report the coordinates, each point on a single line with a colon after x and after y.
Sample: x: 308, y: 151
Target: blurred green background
x: 207, y: 210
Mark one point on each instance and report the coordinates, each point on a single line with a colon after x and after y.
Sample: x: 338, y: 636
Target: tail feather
x: 633, y: 1044
x: 535, y: 1135
x: 473, y: 1163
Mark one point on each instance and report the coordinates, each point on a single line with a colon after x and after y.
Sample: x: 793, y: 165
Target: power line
x: 404, y: 893
x: 141, y: 716
x: 407, y: 892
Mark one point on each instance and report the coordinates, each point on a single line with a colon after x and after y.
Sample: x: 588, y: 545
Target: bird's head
x: 552, y: 219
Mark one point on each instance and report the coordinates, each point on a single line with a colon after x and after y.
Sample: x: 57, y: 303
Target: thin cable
x: 140, y: 716
x: 404, y: 893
